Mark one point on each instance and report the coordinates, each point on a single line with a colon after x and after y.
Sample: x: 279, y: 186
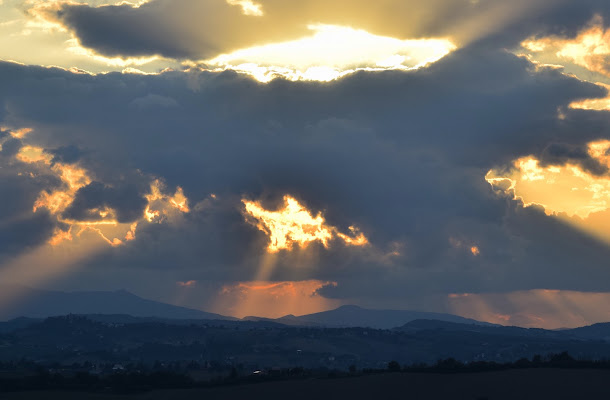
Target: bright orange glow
x: 541, y: 308
x: 73, y: 178
x: 475, y: 250
x: 180, y: 201
x: 20, y: 133
x: 273, y: 299
x: 32, y: 154
x: 590, y: 49
x: 294, y: 224
x: 151, y: 215
x: 331, y: 53
x: 160, y: 204
x: 54, y: 201
x: 358, y: 238
x: 59, y: 236
x: 564, y: 189
x: 131, y: 235
x: 567, y: 192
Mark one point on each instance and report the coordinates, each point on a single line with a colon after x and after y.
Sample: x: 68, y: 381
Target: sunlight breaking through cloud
x: 558, y: 188
x: 590, y: 49
x: 295, y: 224
x: 162, y: 205
x: 331, y: 53
x: 57, y: 201
x: 102, y: 220
x: 566, y: 191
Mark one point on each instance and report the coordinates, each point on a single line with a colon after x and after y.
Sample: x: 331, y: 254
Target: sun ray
x: 39, y: 266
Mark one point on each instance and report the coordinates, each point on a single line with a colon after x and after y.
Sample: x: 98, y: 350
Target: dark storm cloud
x: 202, y: 29
x: 23, y: 234
x: 66, y: 154
x: 562, y: 153
x: 126, y: 201
x: 124, y: 30
x: 185, y: 29
x: 528, y: 250
x: 402, y: 155
x: 10, y: 147
x: 20, y: 229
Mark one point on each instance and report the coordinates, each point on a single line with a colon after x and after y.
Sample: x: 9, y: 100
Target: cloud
x: 402, y: 155
x: 179, y: 28
x: 193, y: 29
x: 561, y: 154
x: 331, y: 52
x: 294, y: 224
x: 10, y: 147
x: 66, y: 154
x: 153, y: 101
x: 589, y: 49
x: 126, y: 202
x: 20, y: 229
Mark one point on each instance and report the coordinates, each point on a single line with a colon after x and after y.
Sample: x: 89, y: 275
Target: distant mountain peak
x: 44, y: 303
x: 350, y: 315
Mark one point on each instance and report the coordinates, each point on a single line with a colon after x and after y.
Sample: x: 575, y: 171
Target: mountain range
x: 109, y: 326
x: 124, y: 307
x: 35, y: 303
x: 350, y: 316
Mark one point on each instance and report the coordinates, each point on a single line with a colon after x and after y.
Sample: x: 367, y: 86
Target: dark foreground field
x: 511, y: 384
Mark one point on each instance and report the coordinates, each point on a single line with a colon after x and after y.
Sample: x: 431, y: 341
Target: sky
x: 271, y: 157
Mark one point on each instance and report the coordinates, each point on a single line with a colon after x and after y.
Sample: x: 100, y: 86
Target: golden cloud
x: 74, y: 177
x: 568, y: 192
x: 295, y: 225
x: 559, y: 189
x: 590, y: 49
x: 162, y: 205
